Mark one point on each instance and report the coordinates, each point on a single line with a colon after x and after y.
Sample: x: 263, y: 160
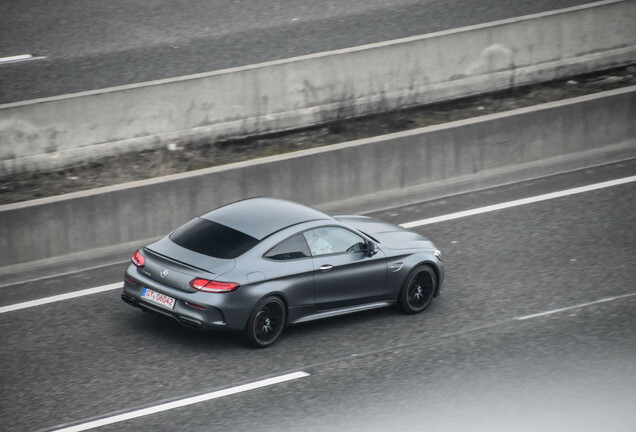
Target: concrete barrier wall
x: 100, y: 218
x: 311, y: 89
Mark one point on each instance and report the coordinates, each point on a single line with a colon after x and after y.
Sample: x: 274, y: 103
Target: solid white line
x: 184, y: 402
x: 519, y: 202
x: 608, y: 299
x: 60, y: 297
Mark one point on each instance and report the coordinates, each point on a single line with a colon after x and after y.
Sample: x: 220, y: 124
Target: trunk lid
x: 173, y: 265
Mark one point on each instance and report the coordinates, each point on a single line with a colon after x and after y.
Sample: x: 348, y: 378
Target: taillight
x: 213, y: 286
x: 138, y: 259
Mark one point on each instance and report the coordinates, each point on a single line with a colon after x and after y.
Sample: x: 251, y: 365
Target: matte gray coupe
x: 261, y: 264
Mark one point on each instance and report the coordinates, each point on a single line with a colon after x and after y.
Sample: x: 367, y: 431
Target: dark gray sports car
x: 258, y: 265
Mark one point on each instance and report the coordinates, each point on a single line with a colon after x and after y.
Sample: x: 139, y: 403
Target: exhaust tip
x: 189, y: 322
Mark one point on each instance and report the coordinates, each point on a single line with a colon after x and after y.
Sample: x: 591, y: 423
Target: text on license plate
x: 158, y: 298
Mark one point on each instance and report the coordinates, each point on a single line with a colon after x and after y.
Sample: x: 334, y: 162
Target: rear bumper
x: 201, y: 311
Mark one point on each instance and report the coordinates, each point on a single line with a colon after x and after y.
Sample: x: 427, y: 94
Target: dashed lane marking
x: 184, y: 402
x: 57, y: 298
x: 19, y: 58
x: 577, y: 306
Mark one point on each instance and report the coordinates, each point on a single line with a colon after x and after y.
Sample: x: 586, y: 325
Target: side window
x: 330, y: 240
x: 292, y: 248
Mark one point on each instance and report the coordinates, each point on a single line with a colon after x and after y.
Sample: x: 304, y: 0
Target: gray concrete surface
x: 316, y: 88
x: 82, y: 222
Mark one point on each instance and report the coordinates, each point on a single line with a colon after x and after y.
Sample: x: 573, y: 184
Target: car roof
x: 262, y: 216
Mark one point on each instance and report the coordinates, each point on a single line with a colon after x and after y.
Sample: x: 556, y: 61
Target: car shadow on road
x: 367, y: 329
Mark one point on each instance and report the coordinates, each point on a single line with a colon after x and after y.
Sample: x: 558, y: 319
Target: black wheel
x: 418, y: 290
x: 266, y: 322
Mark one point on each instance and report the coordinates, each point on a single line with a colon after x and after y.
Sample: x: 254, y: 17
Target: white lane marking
x: 184, y: 402
x: 60, y: 297
x: 19, y: 58
x: 16, y: 58
x: 519, y: 202
x: 578, y: 306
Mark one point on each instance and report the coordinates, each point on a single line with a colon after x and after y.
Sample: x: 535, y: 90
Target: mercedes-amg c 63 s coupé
x: 261, y: 264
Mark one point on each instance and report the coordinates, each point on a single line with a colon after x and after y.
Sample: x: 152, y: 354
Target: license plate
x: 158, y: 298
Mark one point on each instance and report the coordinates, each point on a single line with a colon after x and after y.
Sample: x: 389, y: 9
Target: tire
x: 418, y: 289
x: 266, y: 322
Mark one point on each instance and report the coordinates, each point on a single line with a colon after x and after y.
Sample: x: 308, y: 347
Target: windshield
x: 213, y: 239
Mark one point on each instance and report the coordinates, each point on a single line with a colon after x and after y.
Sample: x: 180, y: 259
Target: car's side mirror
x: 372, y: 248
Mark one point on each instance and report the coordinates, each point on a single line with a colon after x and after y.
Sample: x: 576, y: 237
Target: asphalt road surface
x: 81, y: 45
x: 479, y: 359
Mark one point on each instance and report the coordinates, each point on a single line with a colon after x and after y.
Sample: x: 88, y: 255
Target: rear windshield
x: 213, y: 239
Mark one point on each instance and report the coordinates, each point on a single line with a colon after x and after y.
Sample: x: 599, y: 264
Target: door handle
x: 325, y: 267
